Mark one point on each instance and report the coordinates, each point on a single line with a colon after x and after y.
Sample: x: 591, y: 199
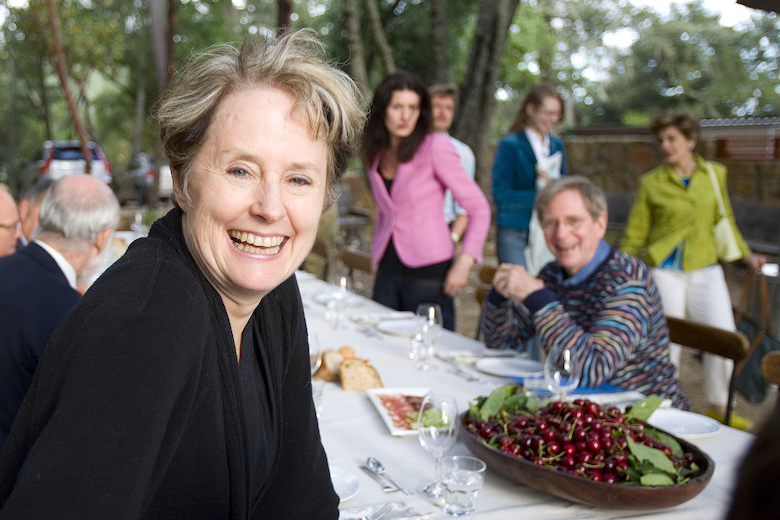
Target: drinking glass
x: 436, y: 432
x: 561, y: 372
x: 431, y: 326
x: 338, y: 301
x: 461, y: 480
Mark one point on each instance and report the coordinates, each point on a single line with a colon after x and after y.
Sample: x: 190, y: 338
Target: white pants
x: 700, y: 296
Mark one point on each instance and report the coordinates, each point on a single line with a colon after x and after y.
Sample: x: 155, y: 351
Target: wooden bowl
x: 582, y: 491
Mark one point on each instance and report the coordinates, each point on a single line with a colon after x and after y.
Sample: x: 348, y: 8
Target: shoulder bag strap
x: 716, y: 188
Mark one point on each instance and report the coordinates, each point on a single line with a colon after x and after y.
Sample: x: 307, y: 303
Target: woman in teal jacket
x: 515, y: 172
x: 672, y: 219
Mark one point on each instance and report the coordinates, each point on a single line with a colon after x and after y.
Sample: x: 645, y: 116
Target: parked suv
x: 134, y: 183
x: 59, y: 159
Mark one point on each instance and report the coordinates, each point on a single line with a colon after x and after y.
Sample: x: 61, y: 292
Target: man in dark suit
x: 9, y: 222
x: 38, y: 283
x: 30, y: 210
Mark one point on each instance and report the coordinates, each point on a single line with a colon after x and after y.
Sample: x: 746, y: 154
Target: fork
x: 379, y: 513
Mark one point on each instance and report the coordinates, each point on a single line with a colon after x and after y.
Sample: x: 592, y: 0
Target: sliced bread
x: 329, y: 369
x: 358, y: 375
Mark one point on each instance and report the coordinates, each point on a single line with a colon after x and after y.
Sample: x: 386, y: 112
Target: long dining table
x: 352, y: 429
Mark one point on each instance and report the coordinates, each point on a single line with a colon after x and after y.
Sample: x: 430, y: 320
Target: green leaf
x: 473, y: 411
x: 533, y: 406
x: 514, y: 403
x: 642, y: 410
x: 656, y: 457
x: 656, y: 479
x: 494, y: 403
x: 664, y: 438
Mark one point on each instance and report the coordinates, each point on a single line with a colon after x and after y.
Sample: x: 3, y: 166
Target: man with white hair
x: 38, y: 283
x: 9, y: 222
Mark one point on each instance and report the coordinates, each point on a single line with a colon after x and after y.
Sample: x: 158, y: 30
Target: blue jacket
x: 514, y: 179
x: 34, y: 298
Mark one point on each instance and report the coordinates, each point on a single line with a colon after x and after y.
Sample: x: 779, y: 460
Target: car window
x: 71, y: 153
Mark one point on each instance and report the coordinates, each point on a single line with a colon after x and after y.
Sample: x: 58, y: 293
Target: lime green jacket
x: 665, y: 213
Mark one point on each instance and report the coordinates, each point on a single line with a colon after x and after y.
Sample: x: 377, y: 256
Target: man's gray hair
x: 74, y: 216
x: 592, y: 195
x: 37, y: 192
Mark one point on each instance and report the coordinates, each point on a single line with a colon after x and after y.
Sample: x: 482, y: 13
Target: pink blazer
x: 413, y: 212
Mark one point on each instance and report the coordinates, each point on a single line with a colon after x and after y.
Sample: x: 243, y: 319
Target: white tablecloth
x: 352, y: 430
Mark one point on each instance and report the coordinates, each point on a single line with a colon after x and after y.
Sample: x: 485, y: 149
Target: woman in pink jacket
x: 410, y: 169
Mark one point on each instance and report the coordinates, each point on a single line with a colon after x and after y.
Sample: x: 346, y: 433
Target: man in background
x: 38, y: 284
x: 9, y: 222
x: 444, y: 99
x: 30, y: 209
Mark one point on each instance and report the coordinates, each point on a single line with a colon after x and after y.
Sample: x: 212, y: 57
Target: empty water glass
x: 339, y: 298
x: 461, y: 480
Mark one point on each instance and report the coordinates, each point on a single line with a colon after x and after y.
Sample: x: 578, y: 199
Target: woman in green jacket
x: 672, y: 219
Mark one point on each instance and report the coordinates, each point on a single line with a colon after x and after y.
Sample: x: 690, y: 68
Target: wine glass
x: 430, y: 328
x: 561, y: 372
x: 436, y: 431
x: 338, y: 301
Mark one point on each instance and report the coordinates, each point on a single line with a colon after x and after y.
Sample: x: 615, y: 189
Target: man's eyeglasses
x: 10, y: 227
x: 574, y: 223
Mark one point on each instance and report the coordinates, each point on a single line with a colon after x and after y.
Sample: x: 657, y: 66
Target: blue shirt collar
x: 602, y: 252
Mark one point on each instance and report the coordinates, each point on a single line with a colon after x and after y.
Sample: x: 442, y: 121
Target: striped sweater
x: 612, y: 322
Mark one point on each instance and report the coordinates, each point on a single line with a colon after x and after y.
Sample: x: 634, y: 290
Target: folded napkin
x: 400, y: 511
x: 372, y: 318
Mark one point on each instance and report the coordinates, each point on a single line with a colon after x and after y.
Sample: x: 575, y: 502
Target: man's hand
x: 458, y: 274
x: 514, y: 282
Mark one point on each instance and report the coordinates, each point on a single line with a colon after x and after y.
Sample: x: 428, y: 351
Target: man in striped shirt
x: 597, y: 302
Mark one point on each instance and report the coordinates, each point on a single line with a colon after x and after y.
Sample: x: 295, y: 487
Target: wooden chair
x: 322, y: 248
x: 730, y: 345
x: 356, y: 260
x: 770, y: 367
x: 486, y: 274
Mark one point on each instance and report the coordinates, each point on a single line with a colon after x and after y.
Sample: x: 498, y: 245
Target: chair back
x: 321, y: 248
x: 486, y: 274
x: 724, y: 343
x: 770, y: 367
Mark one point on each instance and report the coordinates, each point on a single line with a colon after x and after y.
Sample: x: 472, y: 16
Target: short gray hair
x: 74, y: 216
x: 592, y: 195
x: 36, y: 193
x: 328, y: 99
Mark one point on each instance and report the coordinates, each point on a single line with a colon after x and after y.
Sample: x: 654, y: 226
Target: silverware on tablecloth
x: 379, y: 469
x: 386, y: 487
x: 460, y: 371
x: 370, y: 332
x: 380, y: 513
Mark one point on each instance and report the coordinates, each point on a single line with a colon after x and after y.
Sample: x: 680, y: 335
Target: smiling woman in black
x: 179, y: 386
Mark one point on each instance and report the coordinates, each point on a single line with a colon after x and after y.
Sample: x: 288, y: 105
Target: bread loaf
x: 358, y: 375
x: 329, y: 369
x: 347, y: 352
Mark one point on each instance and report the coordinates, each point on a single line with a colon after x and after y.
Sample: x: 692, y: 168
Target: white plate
x: 686, y: 425
x: 345, y: 483
x: 510, y: 367
x: 398, y: 327
x: 324, y: 297
x: 374, y: 396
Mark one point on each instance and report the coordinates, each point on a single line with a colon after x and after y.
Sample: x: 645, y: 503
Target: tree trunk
x: 477, y: 92
x: 140, y: 111
x: 439, y: 41
x: 173, y: 6
x: 284, y: 21
x: 62, y: 71
x: 45, y: 102
x: 14, y: 183
x: 357, y: 61
x: 380, y: 39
